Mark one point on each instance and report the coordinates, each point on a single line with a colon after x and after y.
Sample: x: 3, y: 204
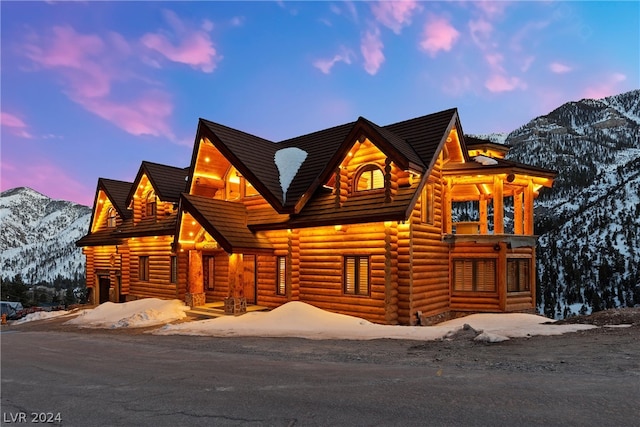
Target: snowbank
x: 298, y: 319
x: 134, y: 314
x: 41, y: 315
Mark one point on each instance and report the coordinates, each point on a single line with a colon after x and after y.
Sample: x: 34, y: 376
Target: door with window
x: 249, y: 278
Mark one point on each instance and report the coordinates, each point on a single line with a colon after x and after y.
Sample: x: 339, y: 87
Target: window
x: 111, y: 217
x: 356, y: 275
x: 281, y: 285
x: 150, y: 205
x: 174, y: 269
x: 518, y: 275
x: 209, y: 272
x: 370, y: 177
x: 474, y: 275
x: 143, y: 268
x: 427, y: 208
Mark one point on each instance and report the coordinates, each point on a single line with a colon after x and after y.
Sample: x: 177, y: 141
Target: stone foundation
x: 194, y: 300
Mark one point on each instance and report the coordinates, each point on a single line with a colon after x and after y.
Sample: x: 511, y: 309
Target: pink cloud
x: 481, y: 31
x: 438, y: 34
x: 394, y: 14
x: 325, y: 65
x: 147, y: 115
x: 606, y: 87
x: 371, y: 48
x: 78, y: 56
x: 502, y: 83
x: 14, y: 124
x: 191, y: 47
x: 491, y: 8
x: 558, y: 68
x: 47, y: 179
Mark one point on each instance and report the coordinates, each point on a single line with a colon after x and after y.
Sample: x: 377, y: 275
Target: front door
x: 249, y: 278
x: 104, y: 285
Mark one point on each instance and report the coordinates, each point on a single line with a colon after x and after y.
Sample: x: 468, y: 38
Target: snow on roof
x: 288, y: 161
x: 485, y: 161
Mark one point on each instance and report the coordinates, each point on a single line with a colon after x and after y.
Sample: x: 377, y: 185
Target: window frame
x: 111, y: 217
x: 173, y: 269
x: 476, y: 287
x: 281, y: 276
x: 150, y: 205
x: 369, y: 167
x: 357, y: 277
x: 526, y: 275
x: 143, y: 268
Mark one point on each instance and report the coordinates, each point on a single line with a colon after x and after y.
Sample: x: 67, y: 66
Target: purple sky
x: 91, y: 89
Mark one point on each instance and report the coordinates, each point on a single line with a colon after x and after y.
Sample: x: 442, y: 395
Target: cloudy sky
x: 90, y: 89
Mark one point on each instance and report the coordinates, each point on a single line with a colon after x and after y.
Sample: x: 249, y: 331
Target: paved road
x: 105, y: 378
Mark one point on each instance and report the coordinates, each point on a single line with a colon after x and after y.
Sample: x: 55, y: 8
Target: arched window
x: 111, y: 217
x: 369, y: 177
x: 150, y: 205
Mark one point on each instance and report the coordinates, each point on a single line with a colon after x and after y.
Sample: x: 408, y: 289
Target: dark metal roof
x: 226, y: 222
x: 168, y: 181
x: 117, y: 192
x: 499, y: 165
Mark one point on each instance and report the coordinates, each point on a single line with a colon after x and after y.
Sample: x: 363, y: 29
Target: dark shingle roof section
x: 117, y: 192
x: 425, y: 134
x: 320, y: 146
x: 168, y: 181
x: 251, y: 155
x: 400, y: 144
x: 226, y: 222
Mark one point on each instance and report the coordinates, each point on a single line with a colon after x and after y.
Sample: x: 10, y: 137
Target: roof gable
x: 168, y: 182
x: 117, y: 192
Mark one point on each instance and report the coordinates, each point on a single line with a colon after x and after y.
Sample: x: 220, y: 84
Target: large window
x: 209, y: 272
x: 111, y: 217
x: 474, y: 275
x: 356, y: 275
x: 174, y: 269
x: 281, y: 285
x: 518, y: 275
x: 143, y: 268
x: 369, y: 177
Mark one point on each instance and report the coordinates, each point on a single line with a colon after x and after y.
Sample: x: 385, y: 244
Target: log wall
x: 159, y: 284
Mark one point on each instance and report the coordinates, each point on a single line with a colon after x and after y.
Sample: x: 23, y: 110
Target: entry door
x: 104, y: 284
x: 249, y: 278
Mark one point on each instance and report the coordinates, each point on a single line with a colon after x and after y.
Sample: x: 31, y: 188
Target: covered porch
x: 488, y: 224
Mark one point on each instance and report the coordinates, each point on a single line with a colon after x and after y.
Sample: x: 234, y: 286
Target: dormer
x: 110, y: 204
x: 156, y: 191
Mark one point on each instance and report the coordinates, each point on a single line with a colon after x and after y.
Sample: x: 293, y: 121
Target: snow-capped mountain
x: 38, y: 236
x: 589, y: 222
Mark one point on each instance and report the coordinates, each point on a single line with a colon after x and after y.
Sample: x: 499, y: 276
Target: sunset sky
x: 91, y: 89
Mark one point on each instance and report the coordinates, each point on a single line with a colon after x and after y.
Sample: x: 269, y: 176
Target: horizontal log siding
x: 322, y: 252
x: 220, y: 289
x: 125, y: 271
x: 282, y: 241
x: 183, y: 273
x: 429, y: 254
x: 159, y: 284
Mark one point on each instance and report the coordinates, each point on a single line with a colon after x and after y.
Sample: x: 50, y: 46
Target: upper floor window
x: 111, y: 217
x: 237, y: 187
x: 369, y: 177
x: 150, y: 205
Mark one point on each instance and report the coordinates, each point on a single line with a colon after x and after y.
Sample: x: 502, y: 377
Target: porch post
x: 518, y: 218
x: 195, y: 281
x: 528, y: 209
x: 484, y: 222
x: 498, y: 206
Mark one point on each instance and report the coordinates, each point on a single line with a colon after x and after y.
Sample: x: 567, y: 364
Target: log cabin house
x: 358, y: 219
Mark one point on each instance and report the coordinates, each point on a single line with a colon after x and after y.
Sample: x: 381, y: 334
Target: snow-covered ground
x: 135, y: 314
x: 298, y: 319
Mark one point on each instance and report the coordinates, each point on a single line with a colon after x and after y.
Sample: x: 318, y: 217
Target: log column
x: 484, y: 221
x: 195, y: 284
x: 498, y: 206
x: 518, y: 214
x: 528, y: 209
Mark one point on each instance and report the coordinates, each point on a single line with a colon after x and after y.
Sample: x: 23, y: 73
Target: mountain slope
x: 38, y: 236
x: 589, y: 222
